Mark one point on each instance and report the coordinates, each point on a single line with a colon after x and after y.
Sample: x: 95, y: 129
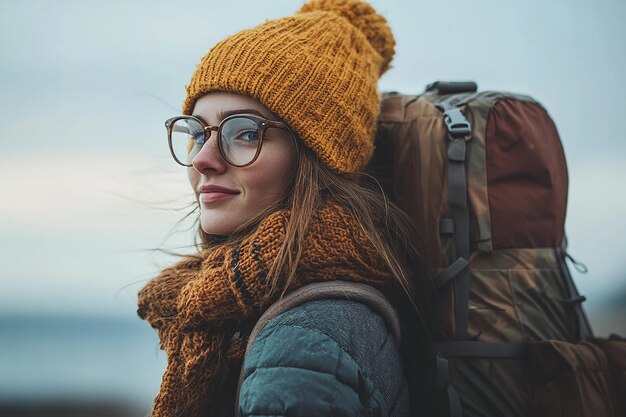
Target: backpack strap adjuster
x: 450, y: 272
x: 457, y: 124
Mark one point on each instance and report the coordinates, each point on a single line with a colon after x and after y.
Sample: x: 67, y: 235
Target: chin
x: 217, y: 226
x: 218, y: 231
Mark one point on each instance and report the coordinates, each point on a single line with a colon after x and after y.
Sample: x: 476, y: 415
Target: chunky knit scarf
x: 199, y: 305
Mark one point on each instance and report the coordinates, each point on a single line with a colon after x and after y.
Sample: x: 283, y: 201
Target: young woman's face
x: 228, y: 195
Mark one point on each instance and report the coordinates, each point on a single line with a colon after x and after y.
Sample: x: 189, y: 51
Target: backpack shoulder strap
x: 341, y: 290
x: 361, y: 293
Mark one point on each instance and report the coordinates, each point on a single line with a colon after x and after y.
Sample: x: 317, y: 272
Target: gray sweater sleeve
x: 324, y: 358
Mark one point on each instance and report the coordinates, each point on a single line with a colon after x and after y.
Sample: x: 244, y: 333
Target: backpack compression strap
x: 459, y: 130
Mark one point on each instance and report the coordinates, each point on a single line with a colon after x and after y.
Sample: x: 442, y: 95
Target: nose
x: 209, y: 158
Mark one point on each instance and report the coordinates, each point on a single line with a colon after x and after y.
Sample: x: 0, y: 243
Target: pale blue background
x: 87, y: 186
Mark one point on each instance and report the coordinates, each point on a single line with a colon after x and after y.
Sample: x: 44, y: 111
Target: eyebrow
x: 225, y: 113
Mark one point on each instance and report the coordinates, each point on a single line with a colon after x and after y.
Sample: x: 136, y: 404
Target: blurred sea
x: 50, y: 362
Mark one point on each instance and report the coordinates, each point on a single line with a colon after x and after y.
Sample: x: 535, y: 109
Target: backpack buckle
x: 457, y: 124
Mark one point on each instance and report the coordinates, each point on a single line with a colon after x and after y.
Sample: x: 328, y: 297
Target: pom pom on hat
x: 362, y: 16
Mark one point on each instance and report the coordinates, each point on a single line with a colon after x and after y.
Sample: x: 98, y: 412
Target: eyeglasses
x: 239, y: 137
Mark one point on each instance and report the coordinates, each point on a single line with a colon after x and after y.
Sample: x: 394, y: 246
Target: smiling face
x: 229, y: 196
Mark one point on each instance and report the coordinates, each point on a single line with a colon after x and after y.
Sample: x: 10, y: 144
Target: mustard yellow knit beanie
x: 317, y: 70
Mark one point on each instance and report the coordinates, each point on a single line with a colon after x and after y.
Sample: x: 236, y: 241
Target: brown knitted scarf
x: 199, y: 304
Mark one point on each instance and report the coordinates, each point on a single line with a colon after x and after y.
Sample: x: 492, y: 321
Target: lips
x: 213, y: 193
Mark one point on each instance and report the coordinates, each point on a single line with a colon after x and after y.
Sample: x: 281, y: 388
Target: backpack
x: 484, y: 178
x: 483, y: 175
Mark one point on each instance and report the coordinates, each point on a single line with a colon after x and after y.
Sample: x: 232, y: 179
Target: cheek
x: 271, y: 177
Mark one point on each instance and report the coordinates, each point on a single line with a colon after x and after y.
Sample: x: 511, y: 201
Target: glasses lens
x: 240, y: 139
x: 187, y: 139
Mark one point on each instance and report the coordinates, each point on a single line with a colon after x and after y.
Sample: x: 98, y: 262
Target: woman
x: 276, y: 122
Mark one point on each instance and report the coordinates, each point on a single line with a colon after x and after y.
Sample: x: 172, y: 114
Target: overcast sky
x: 87, y: 184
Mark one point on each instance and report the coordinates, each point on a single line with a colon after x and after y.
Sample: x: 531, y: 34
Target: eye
x: 198, y: 137
x: 248, y: 136
x: 241, y: 131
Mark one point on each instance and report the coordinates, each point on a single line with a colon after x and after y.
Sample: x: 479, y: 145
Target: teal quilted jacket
x: 324, y: 358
